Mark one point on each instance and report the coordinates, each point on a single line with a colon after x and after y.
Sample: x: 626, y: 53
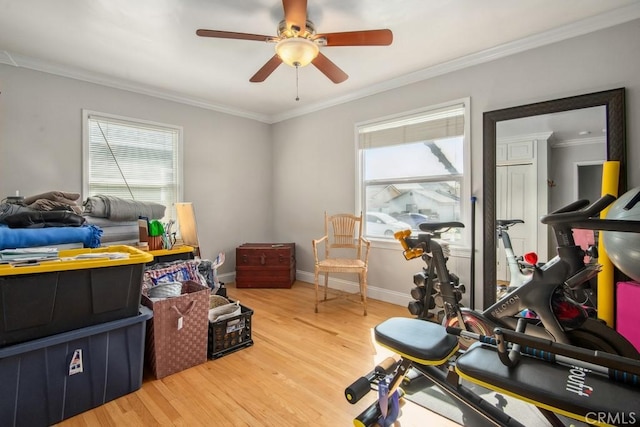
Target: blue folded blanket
x: 12, y: 238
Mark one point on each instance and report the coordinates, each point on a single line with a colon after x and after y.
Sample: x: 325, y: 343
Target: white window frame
x: 465, y: 198
x: 87, y: 114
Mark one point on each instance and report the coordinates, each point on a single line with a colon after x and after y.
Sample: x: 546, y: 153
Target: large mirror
x: 530, y: 135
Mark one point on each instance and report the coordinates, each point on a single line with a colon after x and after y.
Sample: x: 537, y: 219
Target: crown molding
x: 596, y: 140
x: 585, y: 26
x: 538, y: 136
x: 6, y: 58
x: 123, y: 84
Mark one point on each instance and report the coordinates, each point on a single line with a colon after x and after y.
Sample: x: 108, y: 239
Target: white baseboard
x: 227, y: 277
x: 373, y: 292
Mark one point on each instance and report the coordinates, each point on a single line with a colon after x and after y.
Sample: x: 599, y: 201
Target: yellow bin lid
x: 77, y: 259
x: 177, y: 249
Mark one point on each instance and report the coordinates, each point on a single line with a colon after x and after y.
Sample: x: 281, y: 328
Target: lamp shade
x: 297, y: 51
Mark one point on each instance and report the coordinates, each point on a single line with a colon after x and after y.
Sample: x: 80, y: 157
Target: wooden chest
x: 265, y: 265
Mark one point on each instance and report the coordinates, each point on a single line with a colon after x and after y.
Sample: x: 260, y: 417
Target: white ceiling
x: 150, y: 46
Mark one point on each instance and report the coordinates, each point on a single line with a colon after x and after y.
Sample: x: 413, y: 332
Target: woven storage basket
x: 178, y: 332
x: 217, y: 301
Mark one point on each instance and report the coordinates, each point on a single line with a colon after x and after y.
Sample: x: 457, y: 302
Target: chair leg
x: 316, y: 285
x: 363, y: 290
x: 326, y: 284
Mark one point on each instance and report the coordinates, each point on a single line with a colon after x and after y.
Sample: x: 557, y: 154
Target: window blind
x: 432, y: 125
x: 133, y: 160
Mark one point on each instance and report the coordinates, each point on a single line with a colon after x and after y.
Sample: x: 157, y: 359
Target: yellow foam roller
x: 606, y: 309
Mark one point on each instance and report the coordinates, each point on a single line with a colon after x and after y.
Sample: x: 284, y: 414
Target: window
x: 132, y: 159
x: 414, y: 168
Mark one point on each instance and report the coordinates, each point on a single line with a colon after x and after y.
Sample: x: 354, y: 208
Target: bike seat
x: 508, y: 222
x: 434, y: 226
x: 418, y: 340
x: 571, y: 391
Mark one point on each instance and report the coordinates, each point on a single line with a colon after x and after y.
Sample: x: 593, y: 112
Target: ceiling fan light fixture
x: 297, y: 51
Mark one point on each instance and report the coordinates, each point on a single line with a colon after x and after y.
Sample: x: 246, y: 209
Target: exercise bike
x: 519, y: 273
x: 548, y: 293
x: 521, y: 269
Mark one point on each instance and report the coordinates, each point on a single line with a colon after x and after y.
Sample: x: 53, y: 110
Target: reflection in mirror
x: 538, y: 134
x: 543, y: 162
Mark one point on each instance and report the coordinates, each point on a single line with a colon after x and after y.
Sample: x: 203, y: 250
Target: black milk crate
x: 229, y: 335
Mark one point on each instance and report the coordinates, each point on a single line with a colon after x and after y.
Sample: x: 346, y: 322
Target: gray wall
x: 255, y: 182
x: 228, y: 160
x: 562, y: 169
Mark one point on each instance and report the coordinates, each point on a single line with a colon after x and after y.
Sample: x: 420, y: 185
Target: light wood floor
x: 294, y: 374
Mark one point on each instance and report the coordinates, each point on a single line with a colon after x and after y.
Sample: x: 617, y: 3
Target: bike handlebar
x: 573, y: 206
x: 635, y: 199
x: 572, y: 213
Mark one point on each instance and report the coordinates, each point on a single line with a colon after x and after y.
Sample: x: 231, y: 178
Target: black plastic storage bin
x: 84, y: 287
x: 54, y: 378
x: 178, y: 253
x: 229, y: 335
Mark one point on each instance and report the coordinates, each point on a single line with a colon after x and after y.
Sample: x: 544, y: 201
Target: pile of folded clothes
x: 51, y: 218
x: 51, y: 209
x: 56, y: 217
x: 54, y: 200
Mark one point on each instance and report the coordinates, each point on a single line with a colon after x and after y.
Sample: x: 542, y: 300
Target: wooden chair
x: 345, y: 251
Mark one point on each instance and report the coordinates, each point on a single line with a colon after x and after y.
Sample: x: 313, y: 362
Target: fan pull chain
x: 297, y: 68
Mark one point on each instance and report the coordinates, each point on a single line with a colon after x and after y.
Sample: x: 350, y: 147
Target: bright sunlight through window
x: 413, y: 169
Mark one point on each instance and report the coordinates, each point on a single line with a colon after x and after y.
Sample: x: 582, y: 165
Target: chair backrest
x: 344, y: 232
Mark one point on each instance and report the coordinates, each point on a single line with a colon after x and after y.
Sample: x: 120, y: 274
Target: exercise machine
x: 548, y: 293
x: 560, y: 380
x: 518, y: 272
x: 563, y: 345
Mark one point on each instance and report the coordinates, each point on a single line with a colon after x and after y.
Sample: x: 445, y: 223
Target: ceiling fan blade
x: 232, y: 35
x: 266, y: 69
x: 295, y: 14
x: 329, y: 69
x: 359, y: 38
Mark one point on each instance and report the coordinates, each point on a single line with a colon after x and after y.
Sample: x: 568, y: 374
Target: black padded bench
x: 575, y: 392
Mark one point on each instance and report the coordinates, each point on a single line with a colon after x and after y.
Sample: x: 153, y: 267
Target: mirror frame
x: 613, y: 100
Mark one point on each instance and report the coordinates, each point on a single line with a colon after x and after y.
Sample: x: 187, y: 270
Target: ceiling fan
x: 298, y: 44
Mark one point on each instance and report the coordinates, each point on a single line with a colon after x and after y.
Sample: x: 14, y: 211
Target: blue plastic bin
x: 47, y: 380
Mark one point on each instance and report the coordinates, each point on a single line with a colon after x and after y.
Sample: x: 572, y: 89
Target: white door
x: 516, y: 195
